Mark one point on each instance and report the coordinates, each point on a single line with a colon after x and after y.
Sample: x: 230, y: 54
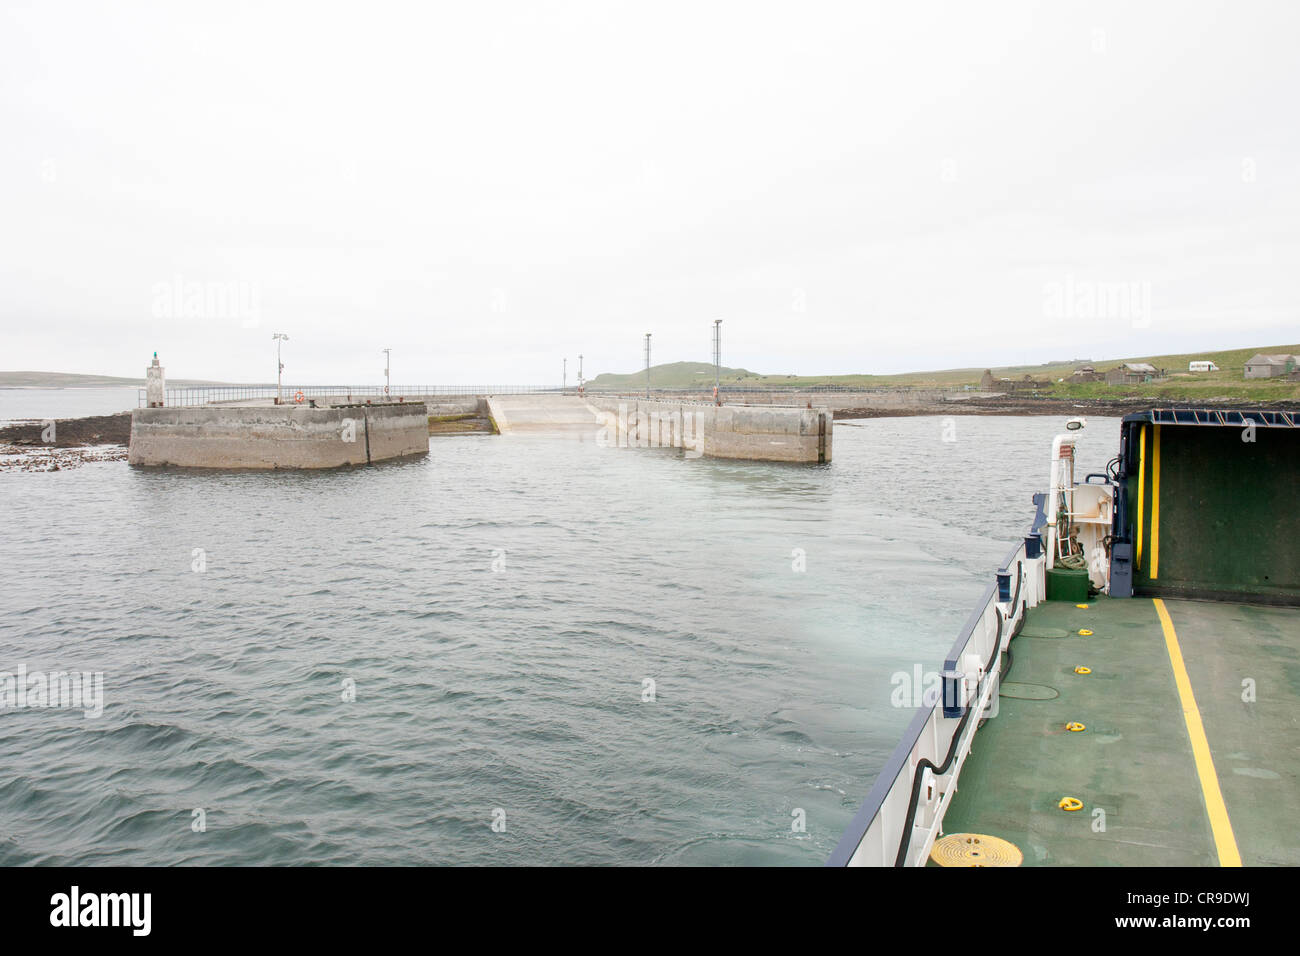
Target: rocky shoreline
x: 77, y: 441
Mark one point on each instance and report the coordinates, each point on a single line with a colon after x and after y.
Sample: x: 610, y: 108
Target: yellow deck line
x: 1155, y: 506
x: 1142, y: 486
x: 1224, y: 842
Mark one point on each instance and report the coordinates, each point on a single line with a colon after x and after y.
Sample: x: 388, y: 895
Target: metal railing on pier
x: 217, y: 394
x: 697, y: 389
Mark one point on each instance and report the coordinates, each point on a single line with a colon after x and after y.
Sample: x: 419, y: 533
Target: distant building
x: 1086, y: 373
x: 1202, y: 366
x: 1028, y: 383
x: 1270, y: 366
x: 1012, y: 384
x: 1132, y: 373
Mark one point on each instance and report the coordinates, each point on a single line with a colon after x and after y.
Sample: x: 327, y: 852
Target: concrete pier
x: 252, y: 433
x: 755, y: 433
x: 750, y: 432
x: 277, y: 436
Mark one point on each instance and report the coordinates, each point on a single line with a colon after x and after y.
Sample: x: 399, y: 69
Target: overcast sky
x: 487, y: 188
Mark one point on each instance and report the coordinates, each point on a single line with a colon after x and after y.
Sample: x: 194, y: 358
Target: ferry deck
x: 1128, y: 692
x: 1188, y: 753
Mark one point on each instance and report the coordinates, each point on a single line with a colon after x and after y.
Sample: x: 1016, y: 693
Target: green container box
x: 1064, y: 584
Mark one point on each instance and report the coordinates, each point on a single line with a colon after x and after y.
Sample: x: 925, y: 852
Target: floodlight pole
x: 717, y: 360
x: 279, y: 366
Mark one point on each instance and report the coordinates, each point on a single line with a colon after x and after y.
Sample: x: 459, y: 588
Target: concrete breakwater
x: 752, y: 432
x: 328, y: 436
x: 277, y: 436
x: 438, y: 405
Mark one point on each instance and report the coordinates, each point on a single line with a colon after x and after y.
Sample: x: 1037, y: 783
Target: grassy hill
x: 677, y: 375
x: 1226, y: 384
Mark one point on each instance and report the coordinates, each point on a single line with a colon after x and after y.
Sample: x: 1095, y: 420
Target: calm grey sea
x: 24, y: 404
x: 374, y: 665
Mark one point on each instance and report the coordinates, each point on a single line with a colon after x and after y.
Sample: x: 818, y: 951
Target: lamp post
x: 279, y: 366
x: 387, y: 365
x: 647, y: 365
x: 564, y: 376
x: 579, y: 373
x: 717, y: 359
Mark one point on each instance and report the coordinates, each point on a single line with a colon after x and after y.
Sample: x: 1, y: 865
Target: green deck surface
x: 1134, y: 761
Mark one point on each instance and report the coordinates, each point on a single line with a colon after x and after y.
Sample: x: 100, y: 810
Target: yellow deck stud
x: 1070, y: 804
x: 1083, y: 670
x: 1074, y: 726
x: 1084, y: 632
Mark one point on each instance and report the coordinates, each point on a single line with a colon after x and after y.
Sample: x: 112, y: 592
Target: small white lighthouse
x: 155, y: 384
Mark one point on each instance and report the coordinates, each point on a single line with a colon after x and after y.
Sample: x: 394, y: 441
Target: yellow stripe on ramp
x: 1224, y: 842
x: 1142, y: 487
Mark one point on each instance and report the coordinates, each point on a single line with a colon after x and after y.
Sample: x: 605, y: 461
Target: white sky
x: 487, y: 188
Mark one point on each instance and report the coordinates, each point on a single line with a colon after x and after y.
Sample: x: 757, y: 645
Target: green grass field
x: 1227, y: 384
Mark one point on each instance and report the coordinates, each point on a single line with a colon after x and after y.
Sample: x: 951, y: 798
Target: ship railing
x: 903, y: 814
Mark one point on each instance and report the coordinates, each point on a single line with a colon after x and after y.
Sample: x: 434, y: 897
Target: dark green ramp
x: 1217, y: 513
